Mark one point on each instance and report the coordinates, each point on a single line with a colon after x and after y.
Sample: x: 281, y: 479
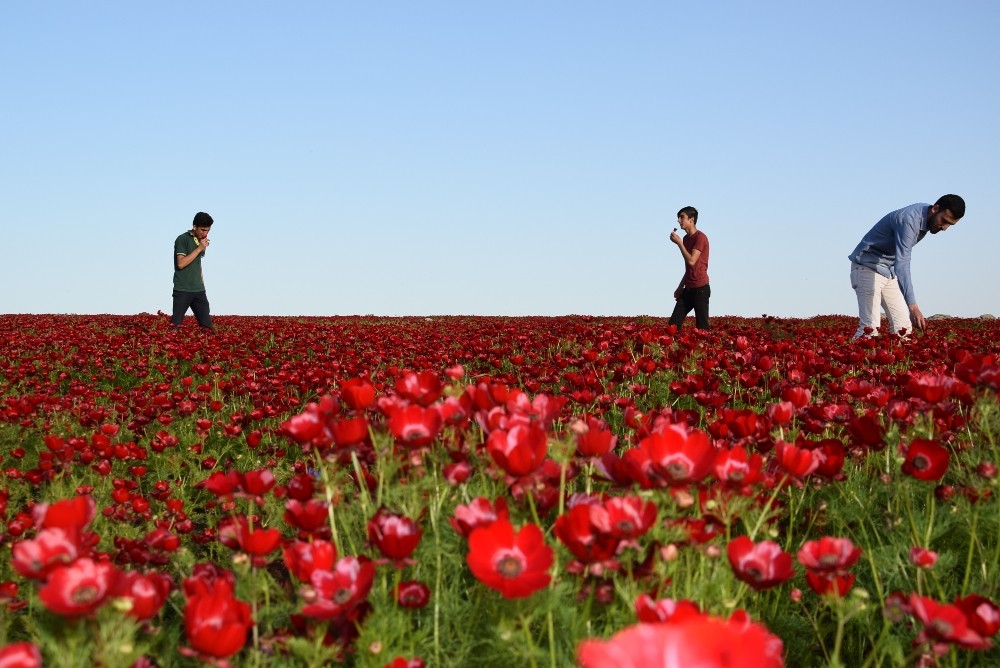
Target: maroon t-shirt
x: 696, y: 276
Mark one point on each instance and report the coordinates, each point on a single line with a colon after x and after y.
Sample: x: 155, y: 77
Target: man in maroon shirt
x: 693, y: 291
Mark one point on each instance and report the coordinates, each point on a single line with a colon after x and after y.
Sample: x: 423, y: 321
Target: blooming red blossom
x: 79, y: 588
x: 702, y: 641
x: 480, y: 512
x: 49, y: 549
x: 423, y: 387
x: 586, y: 541
x: 216, y: 623
x: 396, y: 536
x: 20, y: 655
x: 303, y: 558
x: 738, y: 468
x: 674, y: 456
x: 414, y: 425
x: 829, y: 554
x: 516, y: 564
x: 664, y: 609
x: 309, y: 517
x: 147, y: 592
x: 926, y: 460
x: 412, y: 594
x: 75, y: 513
x: 339, y: 593
x: 795, y: 461
x: 358, y: 393
x: 922, y: 557
x: 945, y: 624
x: 520, y: 450
x: 982, y: 613
x: 762, y: 565
x: 248, y: 536
x: 593, y: 438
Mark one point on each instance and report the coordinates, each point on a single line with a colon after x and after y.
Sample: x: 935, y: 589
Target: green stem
x: 526, y: 627
x: 972, y: 549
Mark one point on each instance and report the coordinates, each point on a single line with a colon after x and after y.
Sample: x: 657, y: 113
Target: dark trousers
x: 693, y: 298
x: 197, y: 302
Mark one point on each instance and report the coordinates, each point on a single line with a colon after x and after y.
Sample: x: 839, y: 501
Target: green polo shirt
x: 188, y: 279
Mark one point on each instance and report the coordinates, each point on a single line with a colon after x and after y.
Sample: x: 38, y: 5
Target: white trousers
x: 874, y: 291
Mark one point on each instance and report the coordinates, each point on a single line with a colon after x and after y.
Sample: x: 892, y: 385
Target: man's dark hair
x: 953, y: 203
x: 202, y: 219
x: 692, y: 212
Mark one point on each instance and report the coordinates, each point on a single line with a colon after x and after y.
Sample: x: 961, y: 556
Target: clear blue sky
x: 491, y: 158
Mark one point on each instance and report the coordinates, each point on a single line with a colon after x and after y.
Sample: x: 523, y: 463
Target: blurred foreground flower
x: 702, y: 641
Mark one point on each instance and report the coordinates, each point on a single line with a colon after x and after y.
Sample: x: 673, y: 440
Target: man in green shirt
x: 189, y: 284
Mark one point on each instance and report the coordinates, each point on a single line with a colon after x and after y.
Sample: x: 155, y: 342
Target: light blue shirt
x: 886, y: 248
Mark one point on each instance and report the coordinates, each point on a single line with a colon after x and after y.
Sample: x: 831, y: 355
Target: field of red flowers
x: 454, y: 491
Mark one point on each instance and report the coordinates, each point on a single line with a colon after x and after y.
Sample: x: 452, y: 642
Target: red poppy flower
x: 246, y: 534
x: 412, y: 594
x: 339, y: 592
x: 221, y: 483
x: 358, y: 393
x: 396, y: 536
x: 480, y: 512
x: 519, y: 451
x: 664, y: 609
x: 926, y: 460
x: 20, y: 655
x: 673, y: 456
x: 945, y: 623
x: 516, y: 564
x: 414, y: 425
x: 79, y: 588
x: 781, y: 413
x: 215, y: 622
x: 706, y: 642
x: 303, y: 558
x: 403, y: 662
x: 762, y: 565
x: 797, y: 396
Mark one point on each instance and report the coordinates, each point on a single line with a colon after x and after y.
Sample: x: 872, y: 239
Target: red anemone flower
x: 982, y: 613
x: 593, y: 438
x: 414, y: 425
x: 304, y: 558
x: 829, y: 554
x: 664, y: 609
x: 703, y: 641
x: 762, y: 565
x: 516, y: 564
x: 79, y: 588
x: 519, y: 451
x: 20, y: 655
x: 412, y: 594
x: 480, y: 512
x: 309, y: 517
x: 738, y: 468
x: 341, y: 591
x: 396, y: 536
x: 674, y: 456
x: 796, y: 462
x: 358, y: 393
x: 587, y: 542
x: 146, y: 591
x: 926, y: 460
x: 945, y: 623
x: 49, y: 549
x: 215, y: 622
